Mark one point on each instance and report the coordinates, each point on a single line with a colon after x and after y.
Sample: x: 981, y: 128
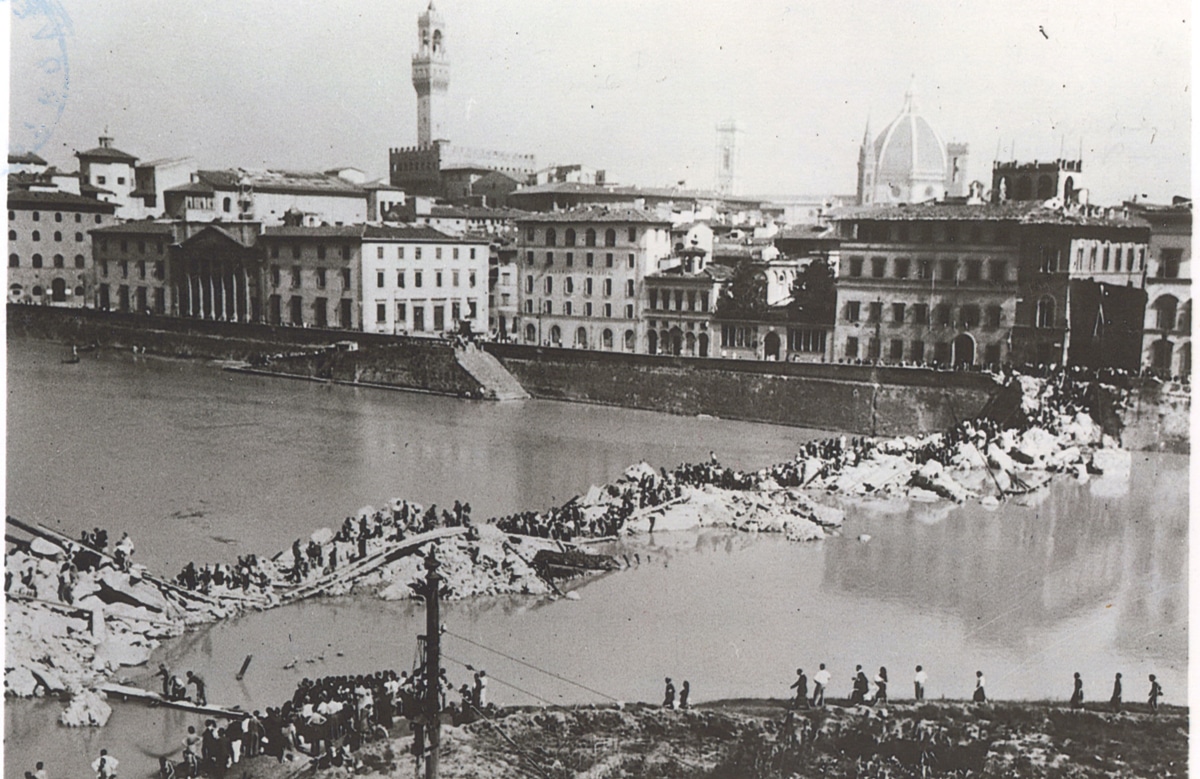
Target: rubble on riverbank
x: 759, y: 739
x: 110, y: 615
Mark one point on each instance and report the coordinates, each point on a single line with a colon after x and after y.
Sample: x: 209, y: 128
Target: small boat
x: 1022, y: 487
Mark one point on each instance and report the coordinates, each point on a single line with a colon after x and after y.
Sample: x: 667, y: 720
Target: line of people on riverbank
x: 867, y: 692
x: 246, y: 574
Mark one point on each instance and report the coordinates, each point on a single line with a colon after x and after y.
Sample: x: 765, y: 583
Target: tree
x: 745, y: 296
x: 814, y: 294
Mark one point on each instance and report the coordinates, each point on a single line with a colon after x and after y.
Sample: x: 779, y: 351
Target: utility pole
x: 433, y: 630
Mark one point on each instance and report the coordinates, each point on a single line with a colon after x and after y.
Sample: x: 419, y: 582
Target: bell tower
x: 430, y: 77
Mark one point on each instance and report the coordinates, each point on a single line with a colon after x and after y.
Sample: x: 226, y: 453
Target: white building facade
x: 419, y: 281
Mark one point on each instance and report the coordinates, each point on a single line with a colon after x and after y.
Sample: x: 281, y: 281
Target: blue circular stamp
x: 40, y: 75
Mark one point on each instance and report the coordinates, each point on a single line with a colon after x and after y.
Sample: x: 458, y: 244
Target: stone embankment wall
x: 428, y: 367
x: 1157, y: 418
x: 854, y: 399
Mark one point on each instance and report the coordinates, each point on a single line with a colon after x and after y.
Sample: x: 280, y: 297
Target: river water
x: 202, y: 464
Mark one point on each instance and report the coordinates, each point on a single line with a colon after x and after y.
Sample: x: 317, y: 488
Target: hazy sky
x: 635, y: 87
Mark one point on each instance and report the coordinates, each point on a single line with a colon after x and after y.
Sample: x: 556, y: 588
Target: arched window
x: 1045, y: 312
x: 37, y: 260
x: 79, y: 261
x: 57, y: 235
x: 530, y: 333
x: 652, y: 342
x: 610, y: 237
x: 629, y: 340
x: 1165, y: 308
x: 569, y: 237
x: 551, y: 236
x: 606, y: 338
x: 1185, y: 317
x: 569, y: 285
x: 1045, y: 189
x: 37, y: 292
x: 1024, y: 189
x: 437, y: 41
x: 78, y: 237
x: 58, y: 291
x: 589, y: 237
x: 36, y: 236
x: 556, y: 336
x: 58, y: 261
x: 12, y: 235
x: 581, y: 340
x: 79, y: 290
x: 549, y: 285
x: 58, y: 217
x: 226, y: 205
x: 14, y: 261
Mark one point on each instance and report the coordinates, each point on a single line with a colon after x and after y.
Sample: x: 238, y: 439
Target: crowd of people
x: 247, y: 573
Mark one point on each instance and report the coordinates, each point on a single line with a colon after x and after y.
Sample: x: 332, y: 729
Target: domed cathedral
x: 908, y: 162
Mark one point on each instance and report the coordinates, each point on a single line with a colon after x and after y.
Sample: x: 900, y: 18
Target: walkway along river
x: 1091, y: 579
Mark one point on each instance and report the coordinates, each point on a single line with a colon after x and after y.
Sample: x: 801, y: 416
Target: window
x: 454, y: 253
x: 58, y: 216
x: 455, y: 311
x: 900, y: 267
x: 437, y: 253
x: 141, y: 267
x: 35, y: 235
x: 400, y: 278
x: 401, y: 315
x: 104, y: 267
x: 969, y: 316
x: 570, y: 259
x: 587, y: 309
x: 587, y: 286
x: 529, y: 285
x: 569, y: 285
x: 437, y: 278
x: 653, y: 299
x: 568, y: 238
x: 608, y: 286
x: 896, y: 350
x: 346, y: 282
x: 454, y: 278
x: 974, y: 270
x: 608, y: 260
x: 1117, y: 252
x: 12, y: 235
x: 630, y: 262
x: 589, y: 238
x: 121, y: 180
x: 275, y: 275
x: 898, y: 313
x: 37, y: 261
x: 417, y: 254
x: 691, y: 298
x: 591, y: 260
x: 418, y: 318
x: 997, y: 271
x: 79, y: 239
x: 856, y: 267
x: 549, y: 259
x: 918, y: 351
x: 703, y: 301
x: 1169, y: 262
x: 58, y: 237
x: 943, y: 314
x: 159, y: 267
x: 610, y: 237
x: 875, y: 311
x: 275, y: 252
x: 1048, y: 259
x: 379, y: 252
x: 81, y: 262
x: 629, y: 311
x: 399, y: 252
x: 381, y: 312
x: 608, y: 310
x: 606, y: 339
x: 124, y: 269
x: 295, y: 275
x: 925, y: 270
x: 852, y: 309
x: 14, y: 261
x: 948, y: 270
x: 295, y: 251
x: 78, y: 217
x: 878, y: 266
x: 547, y: 307
x: 568, y: 307
x: 320, y: 251
x: 551, y: 236
x: 529, y: 234
x: 1045, y: 312
x: 991, y: 354
x: 1107, y: 259
x: 852, y: 348
x: 226, y: 204
x: 549, y: 285
x: 529, y: 257
x: 993, y: 316
x: 320, y: 278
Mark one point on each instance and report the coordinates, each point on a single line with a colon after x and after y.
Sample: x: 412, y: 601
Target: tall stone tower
x: 866, y: 168
x: 727, y: 156
x: 430, y: 77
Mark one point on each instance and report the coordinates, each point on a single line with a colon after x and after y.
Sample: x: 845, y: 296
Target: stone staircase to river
x: 495, y: 379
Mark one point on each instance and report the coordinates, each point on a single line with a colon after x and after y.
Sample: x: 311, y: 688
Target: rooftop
x: 277, y: 181
x: 106, y: 154
x: 412, y: 233
x: 142, y: 227
x: 316, y: 231
x: 1024, y: 212
x: 25, y: 158
x: 23, y: 198
x: 586, y: 215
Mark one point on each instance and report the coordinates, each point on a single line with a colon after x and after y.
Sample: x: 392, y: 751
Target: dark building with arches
x: 1167, y: 339
x: 1021, y: 181
x: 49, y: 255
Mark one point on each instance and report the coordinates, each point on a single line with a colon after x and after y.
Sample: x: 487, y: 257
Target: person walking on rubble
x: 820, y: 682
x: 980, y: 695
x: 1156, y: 692
x: 919, y: 684
x: 1077, y: 694
x: 194, y: 678
x: 684, y: 693
x: 1116, y: 695
x: 801, y: 688
x: 669, y: 695
x: 105, y: 766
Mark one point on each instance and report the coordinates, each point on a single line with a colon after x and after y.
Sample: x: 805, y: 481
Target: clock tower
x: 430, y: 77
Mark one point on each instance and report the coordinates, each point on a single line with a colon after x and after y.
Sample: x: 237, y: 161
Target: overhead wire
x: 532, y: 666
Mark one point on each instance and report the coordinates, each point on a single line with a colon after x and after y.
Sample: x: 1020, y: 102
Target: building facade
x: 130, y: 262
x: 107, y: 173
x: 1167, y: 338
x: 420, y: 281
x: 267, y: 197
x: 932, y: 283
x: 312, y: 275
x: 681, y: 304
x: 582, y: 277
x: 49, y: 254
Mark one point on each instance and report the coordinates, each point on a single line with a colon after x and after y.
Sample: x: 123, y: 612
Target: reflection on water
x: 1088, y: 578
